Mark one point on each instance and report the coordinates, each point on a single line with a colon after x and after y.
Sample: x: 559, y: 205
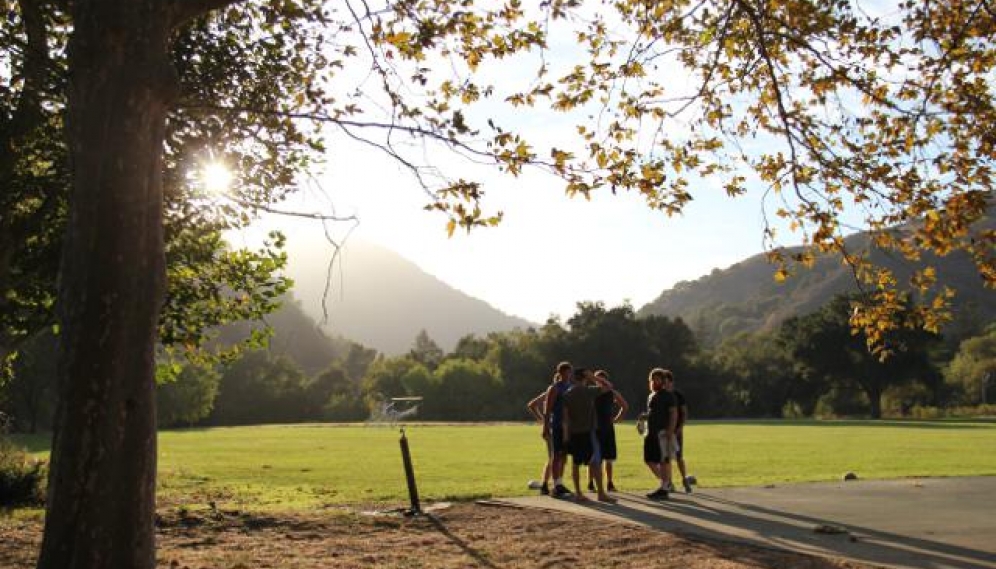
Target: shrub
x: 22, y: 480
x: 924, y: 412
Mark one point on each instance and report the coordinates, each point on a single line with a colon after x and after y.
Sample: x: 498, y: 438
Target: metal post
x: 406, y: 458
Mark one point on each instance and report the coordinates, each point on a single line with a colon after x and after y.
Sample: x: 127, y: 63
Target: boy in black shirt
x: 658, y: 442
x: 679, y: 432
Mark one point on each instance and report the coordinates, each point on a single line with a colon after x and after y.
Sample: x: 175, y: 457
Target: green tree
x: 974, y: 367
x: 426, y: 351
x: 29, y: 395
x: 258, y: 388
x: 384, y: 378
x: 824, y: 342
x: 471, y: 347
x: 463, y: 390
x: 187, y: 398
x: 357, y: 361
x: 338, y: 395
x: 816, y: 83
x: 761, y: 376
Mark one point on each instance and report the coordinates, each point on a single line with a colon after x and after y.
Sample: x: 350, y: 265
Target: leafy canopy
x: 847, y: 115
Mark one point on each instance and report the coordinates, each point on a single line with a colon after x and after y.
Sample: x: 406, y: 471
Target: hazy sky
x: 551, y: 251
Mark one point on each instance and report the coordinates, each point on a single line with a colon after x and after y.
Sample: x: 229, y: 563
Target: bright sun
x: 216, y: 178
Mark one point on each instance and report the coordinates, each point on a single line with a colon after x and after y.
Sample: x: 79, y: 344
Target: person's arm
x: 551, y: 396
x: 672, y: 421
x: 603, y: 384
x: 623, y: 406
x: 535, y: 406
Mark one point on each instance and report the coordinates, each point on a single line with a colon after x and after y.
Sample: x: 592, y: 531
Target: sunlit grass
x: 307, y: 466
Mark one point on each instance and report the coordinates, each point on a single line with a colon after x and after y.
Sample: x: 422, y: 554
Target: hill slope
x: 745, y: 296
x: 382, y: 300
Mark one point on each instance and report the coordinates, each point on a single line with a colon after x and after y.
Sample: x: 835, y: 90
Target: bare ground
x: 462, y: 535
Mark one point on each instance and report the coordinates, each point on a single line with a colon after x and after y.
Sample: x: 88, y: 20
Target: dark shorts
x: 581, y: 448
x: 557, y: 439
x: 607, y: 442
x: 653, y: 450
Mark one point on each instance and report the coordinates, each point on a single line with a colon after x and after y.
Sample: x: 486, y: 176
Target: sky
x: 550, y: 251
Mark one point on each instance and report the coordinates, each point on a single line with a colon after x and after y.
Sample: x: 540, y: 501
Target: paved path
x: 931, y: 523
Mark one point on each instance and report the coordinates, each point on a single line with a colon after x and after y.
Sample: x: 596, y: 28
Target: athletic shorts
x: 607, y: 442
x: 596, y: 448
x: 658, y: 448
x: 557, y: 439
x: 581, y: 448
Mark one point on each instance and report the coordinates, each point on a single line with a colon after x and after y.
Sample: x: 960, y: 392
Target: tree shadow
x: 714, y: 519
x: 476, y: 555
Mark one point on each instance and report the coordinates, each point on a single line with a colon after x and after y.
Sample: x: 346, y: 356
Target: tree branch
x: 182, y: 11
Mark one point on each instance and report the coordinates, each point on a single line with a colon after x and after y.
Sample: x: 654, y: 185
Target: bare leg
x: 655, y: 468
x: 576, y: 476
x: 608, y: 473
x: 596, y: 467
x: 558, y: 465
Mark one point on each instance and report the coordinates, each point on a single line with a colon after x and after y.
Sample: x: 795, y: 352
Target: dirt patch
x: 463, y: 535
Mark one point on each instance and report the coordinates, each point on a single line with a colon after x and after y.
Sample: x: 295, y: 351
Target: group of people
x: 578, y: 412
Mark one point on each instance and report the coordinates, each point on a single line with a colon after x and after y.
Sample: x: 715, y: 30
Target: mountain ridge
x: 367, y: 305
x: 745, y: 297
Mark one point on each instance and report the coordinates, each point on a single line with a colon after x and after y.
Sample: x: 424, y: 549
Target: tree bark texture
x: 101, y: 493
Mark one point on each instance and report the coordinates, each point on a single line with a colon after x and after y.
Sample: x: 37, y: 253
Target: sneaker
x: 688, y: 488
x: 658, y: 494
x: 611, y: 487
x: 544, y: 490
x: 561, y: 491
x: 591, y: 485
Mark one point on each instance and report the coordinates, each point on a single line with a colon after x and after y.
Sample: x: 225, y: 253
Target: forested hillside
x: 745, y: 297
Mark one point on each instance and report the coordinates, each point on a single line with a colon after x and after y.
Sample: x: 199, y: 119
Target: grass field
x: 307, y: 466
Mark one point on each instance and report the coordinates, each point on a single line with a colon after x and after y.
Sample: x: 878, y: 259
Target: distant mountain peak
x: 382, y: 300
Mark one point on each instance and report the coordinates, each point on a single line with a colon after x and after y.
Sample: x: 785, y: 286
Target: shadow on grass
x: 480, y: 558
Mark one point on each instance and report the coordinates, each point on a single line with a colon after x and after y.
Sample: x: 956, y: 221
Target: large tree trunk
x: 101, y: 493
x: 874, y: 392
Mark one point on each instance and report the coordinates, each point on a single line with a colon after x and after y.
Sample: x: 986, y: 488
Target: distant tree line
x: 813, y: 365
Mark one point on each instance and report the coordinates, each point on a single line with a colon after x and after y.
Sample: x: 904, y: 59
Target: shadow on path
x: 880, y: 523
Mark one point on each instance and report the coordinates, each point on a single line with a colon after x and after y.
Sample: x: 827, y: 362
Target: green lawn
x: 294, y: 466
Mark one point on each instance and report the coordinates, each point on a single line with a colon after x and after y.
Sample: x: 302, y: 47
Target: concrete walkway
x: 931, y: 523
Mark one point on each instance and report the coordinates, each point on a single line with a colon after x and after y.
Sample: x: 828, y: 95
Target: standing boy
x: 610, y: 407
x: 579, y: 428
x: 679, y: 433
x: 554, y: 424
x: 658, y: 442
